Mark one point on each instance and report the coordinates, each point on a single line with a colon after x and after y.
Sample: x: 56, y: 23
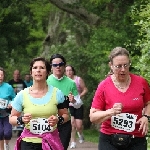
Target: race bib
x: 3, y: 103
x: 40, y: 126
x: 124, y: 121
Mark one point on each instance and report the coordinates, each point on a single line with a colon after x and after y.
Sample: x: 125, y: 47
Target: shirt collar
x: 58, y: 78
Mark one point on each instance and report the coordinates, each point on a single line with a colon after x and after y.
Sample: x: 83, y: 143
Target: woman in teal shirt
x: 7, y: 94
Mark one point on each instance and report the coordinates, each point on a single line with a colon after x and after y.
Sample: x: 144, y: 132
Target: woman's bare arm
x: 13, y: 116
x: 83, y: 87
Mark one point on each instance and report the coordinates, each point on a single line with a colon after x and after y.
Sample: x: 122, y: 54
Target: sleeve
x: 18, y: 101
x: 63, y: 105
x: 61, y: 100
x: 60, y: 96
x: 74, y: 91
x: 78, y: 102
x: 99, y: 98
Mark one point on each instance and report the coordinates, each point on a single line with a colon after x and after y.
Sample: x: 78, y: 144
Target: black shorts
x: 76, y: 113
x: 30, y: 146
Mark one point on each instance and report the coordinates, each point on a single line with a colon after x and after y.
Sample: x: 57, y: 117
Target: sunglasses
x: 58, y: 65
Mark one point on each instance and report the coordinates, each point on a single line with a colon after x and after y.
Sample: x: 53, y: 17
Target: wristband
x: 60, y: 120
x: 148, y: 117
x: 19, y: 120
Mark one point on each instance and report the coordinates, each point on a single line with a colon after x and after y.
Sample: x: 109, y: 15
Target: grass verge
x: 91, y: 135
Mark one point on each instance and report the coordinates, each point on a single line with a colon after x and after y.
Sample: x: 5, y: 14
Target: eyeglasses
x: 123, y: 66
x: 58, y: 65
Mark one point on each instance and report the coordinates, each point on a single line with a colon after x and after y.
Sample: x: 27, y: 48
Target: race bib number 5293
x: 124, y: 121
x: 40, y: 126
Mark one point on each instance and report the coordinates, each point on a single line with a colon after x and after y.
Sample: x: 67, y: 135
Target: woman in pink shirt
x: 117, y: 105
x: 76, y: 114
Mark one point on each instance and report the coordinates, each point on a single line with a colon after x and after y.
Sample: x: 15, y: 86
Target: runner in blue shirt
x: 7, y: 94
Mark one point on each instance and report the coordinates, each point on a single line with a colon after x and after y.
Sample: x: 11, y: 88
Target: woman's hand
x: 71, y: 98
x: 52, y: 120
x: 26, y: 118
x: 9, y: 106
x: 117, y: 107
x: 143, y: 121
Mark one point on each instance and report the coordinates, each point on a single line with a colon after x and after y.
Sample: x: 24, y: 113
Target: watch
x: 19, y: 120
x: 148, y: 117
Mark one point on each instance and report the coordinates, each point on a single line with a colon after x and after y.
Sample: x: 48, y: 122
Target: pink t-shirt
x: 133, y: 101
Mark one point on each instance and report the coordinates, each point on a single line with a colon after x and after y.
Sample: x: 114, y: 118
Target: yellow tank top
x: 39, y: 111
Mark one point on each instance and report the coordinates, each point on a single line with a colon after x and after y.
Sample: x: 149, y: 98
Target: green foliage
x: 142, y: 20
x: 99, y: 1
x: 148, y: 139
x: 99, y: 48
x: 13, y: 35
x: 23, y: 28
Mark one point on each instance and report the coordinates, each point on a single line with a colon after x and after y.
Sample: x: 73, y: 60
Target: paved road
x: 83, y: 146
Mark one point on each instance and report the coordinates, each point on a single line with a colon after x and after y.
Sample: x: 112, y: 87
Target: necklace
x: 117, y: 84
x: 34, y: 91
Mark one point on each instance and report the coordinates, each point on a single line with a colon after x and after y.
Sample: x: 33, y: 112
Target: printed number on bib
x: 40, y: 126
x: 124, y: 121
x: 3, y: 103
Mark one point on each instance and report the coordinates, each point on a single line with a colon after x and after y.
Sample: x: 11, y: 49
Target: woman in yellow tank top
x: 41, y: 104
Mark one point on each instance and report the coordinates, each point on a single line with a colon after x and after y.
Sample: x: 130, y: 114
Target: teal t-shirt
x: 7, y: 94
x: 28, y: 84
x: 65, y: 84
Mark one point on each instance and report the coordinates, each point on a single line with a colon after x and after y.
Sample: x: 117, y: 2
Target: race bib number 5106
x: 124, y: 121
x: 40, y: 126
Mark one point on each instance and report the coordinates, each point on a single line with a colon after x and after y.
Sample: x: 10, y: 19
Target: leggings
x: 137, y: 143
x: 65, y: 134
